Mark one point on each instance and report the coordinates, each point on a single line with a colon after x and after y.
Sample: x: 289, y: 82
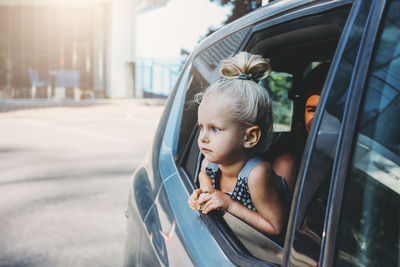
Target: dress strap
x: 212, y: 172
x: 212, y: 166
x: 248, y: 167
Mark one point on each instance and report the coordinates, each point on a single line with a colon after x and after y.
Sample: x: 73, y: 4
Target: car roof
x: 270, y: 10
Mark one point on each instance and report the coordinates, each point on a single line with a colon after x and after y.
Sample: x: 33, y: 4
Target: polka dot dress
x: 241, y: 191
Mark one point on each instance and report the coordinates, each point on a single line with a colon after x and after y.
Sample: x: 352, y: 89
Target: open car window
x: 290, y: 53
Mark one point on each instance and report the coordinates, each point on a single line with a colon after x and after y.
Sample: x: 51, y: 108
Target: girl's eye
x: 215, y: 130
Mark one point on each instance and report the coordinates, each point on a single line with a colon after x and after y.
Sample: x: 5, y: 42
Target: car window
x: 311, y: 201
x: 369, y: 222
x: 290, y: 54
x: 279, y: 85
x: 204, y: 72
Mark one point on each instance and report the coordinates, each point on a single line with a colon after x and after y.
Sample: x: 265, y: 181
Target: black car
x: 345, y: 204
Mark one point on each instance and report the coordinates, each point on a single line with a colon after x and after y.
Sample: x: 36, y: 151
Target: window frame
x: 345, y: 138
x: 348, y: 131
x: 307, y: 160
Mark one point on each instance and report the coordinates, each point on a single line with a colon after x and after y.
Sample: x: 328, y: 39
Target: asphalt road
x: 65, y: 169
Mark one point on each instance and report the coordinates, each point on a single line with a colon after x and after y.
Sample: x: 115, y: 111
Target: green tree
x: 239, y: 9
x: 278, y: 86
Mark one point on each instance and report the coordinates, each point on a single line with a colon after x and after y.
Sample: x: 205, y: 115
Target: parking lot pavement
x: 65, y: 170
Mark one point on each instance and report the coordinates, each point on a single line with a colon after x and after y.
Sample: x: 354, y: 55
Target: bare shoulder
x: 261, y: 174
x: 264, y: 184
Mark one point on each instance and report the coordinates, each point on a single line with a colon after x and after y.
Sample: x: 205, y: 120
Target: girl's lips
x: 205, y: 149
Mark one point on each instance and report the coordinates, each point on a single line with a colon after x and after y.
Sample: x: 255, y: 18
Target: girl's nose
x: 203, y: 137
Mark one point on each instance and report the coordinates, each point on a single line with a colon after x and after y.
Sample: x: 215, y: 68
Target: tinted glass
x: 369, y: 223
x: 278, y: 85
x: 313, y: 198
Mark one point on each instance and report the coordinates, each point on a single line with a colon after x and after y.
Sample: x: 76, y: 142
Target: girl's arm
x: 205, y: 181
x: 264, y: 187
x: 205, y: 187
x: 286, y: 166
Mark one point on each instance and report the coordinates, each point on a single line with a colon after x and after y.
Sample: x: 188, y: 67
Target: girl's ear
x: 252, y: 136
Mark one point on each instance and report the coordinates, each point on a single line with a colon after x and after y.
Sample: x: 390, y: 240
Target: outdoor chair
x: 36, y: 82
x: 67, y: 79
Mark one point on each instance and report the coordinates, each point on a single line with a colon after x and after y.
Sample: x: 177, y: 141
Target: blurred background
x: 82, y: 87
x: 103, y: 48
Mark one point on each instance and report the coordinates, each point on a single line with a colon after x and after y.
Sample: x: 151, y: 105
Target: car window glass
x: 369, y: 222
x: 292, y: 47
x: 278, y: 85
x: 310, y: 214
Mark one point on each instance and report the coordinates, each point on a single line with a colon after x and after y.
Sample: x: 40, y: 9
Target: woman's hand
x: 215, y: 201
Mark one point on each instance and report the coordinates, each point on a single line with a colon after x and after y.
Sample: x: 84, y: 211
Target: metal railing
x: 156, y: 77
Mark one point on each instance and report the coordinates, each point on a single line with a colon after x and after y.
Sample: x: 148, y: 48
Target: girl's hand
x: 215, y: 201
x: 195, y: 201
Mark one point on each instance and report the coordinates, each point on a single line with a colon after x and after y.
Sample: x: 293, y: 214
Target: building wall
x: 97, y: 38
x: 121, y: 49
x: 50, y: 38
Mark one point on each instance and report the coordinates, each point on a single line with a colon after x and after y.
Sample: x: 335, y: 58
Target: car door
x: 222, y: 237
x: 318, y: 199
x: 179, y: 228
x: 368, y: 223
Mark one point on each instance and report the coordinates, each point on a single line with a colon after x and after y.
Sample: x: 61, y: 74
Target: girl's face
x: 220, y: 138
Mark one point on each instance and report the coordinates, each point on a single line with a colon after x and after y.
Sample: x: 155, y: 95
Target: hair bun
x: 245, y: 64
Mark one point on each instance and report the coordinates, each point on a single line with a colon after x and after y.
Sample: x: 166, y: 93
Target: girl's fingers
x: 192, y: 201
x: 192, y: 205
x: 204, y: 198
x: 196, y: 194
x: 205, y: 201
x: 211, y: 204
x: 210, y: 207
x: 209, y: 190
x: 216, y: 201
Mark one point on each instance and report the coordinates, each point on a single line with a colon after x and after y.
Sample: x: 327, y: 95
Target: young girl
x: 235, y: 122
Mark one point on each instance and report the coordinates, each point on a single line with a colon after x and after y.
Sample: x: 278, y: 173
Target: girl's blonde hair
x: 250, y: 102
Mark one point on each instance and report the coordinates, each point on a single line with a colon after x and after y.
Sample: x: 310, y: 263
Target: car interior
x: 294, y: 48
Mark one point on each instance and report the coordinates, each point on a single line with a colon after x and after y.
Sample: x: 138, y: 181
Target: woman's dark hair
x: 314, y: 80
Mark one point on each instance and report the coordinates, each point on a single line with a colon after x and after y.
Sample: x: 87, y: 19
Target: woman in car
x: 286, y: 164
x: 235, y: 122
